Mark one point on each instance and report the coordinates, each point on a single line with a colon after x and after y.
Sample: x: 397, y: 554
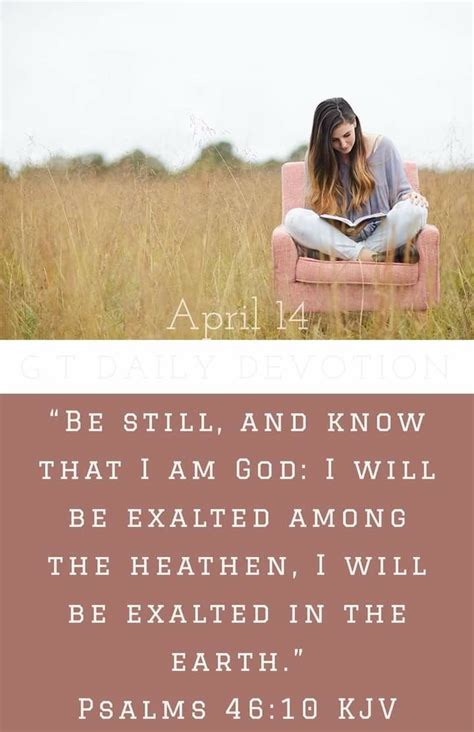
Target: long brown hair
x: 326, y: 194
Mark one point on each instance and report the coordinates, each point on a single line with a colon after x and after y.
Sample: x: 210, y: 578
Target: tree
x: 89, y: 162
x: 58, y: 163
x: 217, y: 155
x: 139, y: 163
x: 270, y: 164
x: 298, y: 153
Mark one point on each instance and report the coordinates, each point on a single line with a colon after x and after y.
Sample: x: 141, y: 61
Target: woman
x: 353, y: 174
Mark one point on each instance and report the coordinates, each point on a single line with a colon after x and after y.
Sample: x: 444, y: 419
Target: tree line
x: 211, y: 157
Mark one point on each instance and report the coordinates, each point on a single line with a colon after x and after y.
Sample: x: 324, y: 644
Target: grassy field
x: 112, y: 257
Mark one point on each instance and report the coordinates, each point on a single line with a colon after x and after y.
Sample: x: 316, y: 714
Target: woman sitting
x: 352, y: 174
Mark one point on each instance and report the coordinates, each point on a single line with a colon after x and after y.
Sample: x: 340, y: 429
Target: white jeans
x: 402, y: 222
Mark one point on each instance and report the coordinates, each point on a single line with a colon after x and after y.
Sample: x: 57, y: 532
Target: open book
x: 357, y: 222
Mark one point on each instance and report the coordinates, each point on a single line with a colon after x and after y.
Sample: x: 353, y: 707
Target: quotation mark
x: 298, y: 652
x: 54, y: 412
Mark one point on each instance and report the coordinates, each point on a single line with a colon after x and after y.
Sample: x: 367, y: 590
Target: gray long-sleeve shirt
x: 390, y: 184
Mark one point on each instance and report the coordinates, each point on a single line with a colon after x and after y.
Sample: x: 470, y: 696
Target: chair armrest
x: 427, y: 243
x: 285, y: 255
x: 428, y: 237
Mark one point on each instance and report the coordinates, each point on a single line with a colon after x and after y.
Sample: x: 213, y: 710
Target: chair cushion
x: 356, y: 273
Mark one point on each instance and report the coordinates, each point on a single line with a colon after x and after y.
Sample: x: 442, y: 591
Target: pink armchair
x: 333, y: 285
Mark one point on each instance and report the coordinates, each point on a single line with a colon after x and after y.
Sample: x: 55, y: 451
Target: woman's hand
x: 417, y: 198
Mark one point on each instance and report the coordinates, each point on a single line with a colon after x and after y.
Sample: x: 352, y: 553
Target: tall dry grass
x: 112, y: 257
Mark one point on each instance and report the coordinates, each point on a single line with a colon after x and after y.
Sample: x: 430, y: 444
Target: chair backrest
x: 292, y: 184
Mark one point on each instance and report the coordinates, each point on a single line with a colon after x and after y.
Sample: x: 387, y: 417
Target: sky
x: 170, y: 78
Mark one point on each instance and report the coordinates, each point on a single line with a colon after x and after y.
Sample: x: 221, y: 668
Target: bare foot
x: 366, y: 255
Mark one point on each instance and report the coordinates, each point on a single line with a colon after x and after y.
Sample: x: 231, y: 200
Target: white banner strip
x: 238, y: 2
x: 220, y: 367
